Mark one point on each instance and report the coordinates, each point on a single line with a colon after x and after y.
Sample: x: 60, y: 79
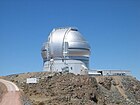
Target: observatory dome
x: 64, y: 46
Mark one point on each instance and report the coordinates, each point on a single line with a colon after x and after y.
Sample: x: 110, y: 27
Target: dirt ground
x: 70, y: 89
x: 3, y: 90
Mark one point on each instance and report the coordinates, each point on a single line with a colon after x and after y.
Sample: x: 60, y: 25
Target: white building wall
x: 110, y: 72
x: 31, y: 80
x: 73, y: 66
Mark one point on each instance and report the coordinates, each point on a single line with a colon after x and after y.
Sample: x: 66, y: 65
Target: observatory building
x: 66, y: 51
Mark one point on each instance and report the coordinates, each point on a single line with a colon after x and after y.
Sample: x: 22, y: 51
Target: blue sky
x: 112, y: 28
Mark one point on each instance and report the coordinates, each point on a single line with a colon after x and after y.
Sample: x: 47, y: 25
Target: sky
x: 111, y: 27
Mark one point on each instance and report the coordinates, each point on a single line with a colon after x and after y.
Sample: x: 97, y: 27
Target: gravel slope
x: 70, y: 89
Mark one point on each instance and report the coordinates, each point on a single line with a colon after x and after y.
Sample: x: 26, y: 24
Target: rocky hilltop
x: 70, y: 89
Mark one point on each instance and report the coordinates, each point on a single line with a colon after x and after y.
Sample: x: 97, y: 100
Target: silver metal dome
x: 66, y: 44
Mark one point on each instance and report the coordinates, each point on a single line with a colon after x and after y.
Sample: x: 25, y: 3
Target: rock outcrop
x: 70, y: 89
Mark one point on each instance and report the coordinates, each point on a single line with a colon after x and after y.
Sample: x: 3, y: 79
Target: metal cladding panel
x: 74, y: 36
x: 56, y: 42
x: 63, y: 46
x: 78, y: 52
x: 77, y: 46
x: 75, y: 40
x: 44, y: 55
x: 45, y: 51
